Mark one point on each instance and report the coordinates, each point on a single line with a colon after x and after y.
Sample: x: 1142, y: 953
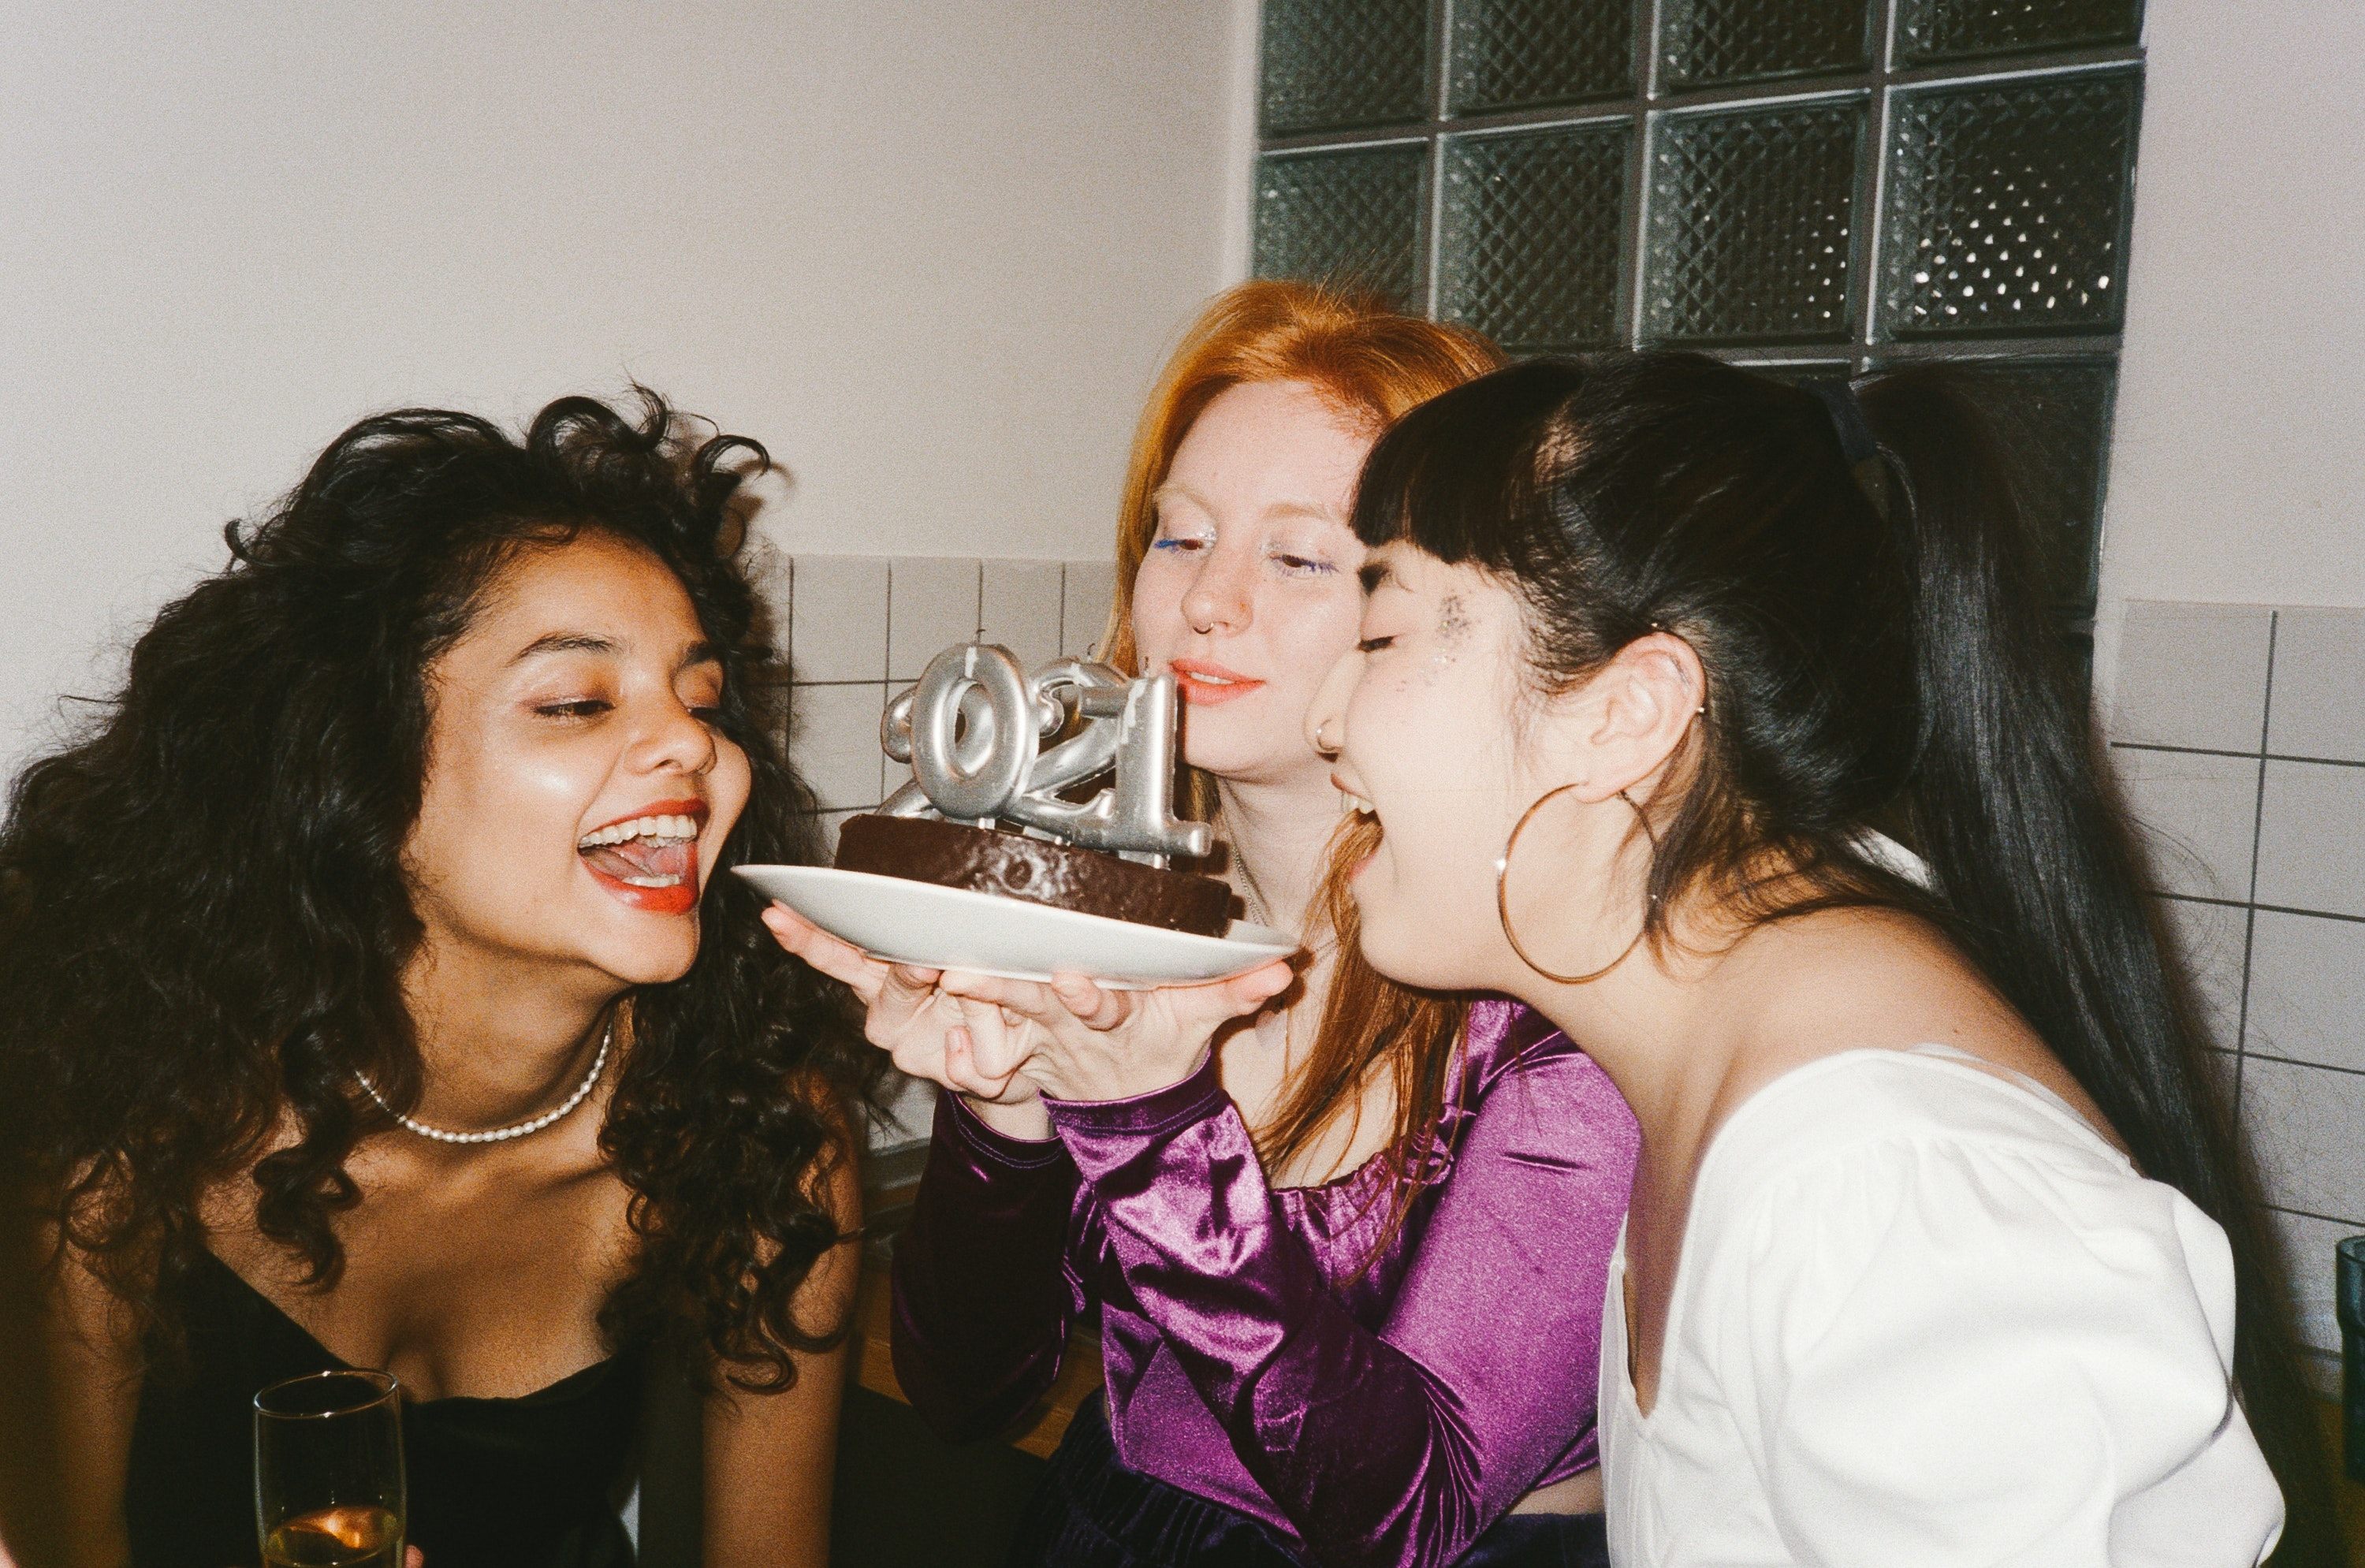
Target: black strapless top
x: 504, y: 1482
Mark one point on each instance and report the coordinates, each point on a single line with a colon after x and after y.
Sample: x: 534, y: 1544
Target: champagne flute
x: 327, y: 1471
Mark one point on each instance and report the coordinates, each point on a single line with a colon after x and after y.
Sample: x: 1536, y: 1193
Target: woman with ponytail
x: 1721, y: 722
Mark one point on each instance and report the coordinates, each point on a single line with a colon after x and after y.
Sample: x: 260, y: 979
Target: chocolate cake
x: 988, y: 860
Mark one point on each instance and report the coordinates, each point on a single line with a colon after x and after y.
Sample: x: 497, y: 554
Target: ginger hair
x: 1372, y: 364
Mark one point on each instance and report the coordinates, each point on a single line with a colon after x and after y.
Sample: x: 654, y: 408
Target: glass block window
x: 1530, y: 254
x: 1709, y: 43
x: 1336, y: 64
x: 1355, y: 214
x: 1750, y: 216
x: 1931, y: 31
x: 2007, y: 207
x: 1525, y: 54
x: 1811, y: 187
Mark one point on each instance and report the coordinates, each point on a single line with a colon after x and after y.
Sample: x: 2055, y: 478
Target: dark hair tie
x: 1847, y: 418
x: 1857, y: 447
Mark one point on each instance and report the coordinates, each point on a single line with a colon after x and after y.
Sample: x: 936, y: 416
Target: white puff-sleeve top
x: 1924, y: 1316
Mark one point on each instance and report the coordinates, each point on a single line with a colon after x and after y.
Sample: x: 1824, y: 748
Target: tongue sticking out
x: 643, y: 860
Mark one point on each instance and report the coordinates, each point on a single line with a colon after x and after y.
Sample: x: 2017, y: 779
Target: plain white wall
x: 930, y: 251
x: 2240, y: 443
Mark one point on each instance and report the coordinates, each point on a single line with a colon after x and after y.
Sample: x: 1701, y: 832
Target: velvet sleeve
x: 1399, y: 1447
x: 984, y: 1296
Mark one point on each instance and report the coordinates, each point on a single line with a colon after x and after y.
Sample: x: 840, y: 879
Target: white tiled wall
x: 2239, y: 733
x: 863, y: 627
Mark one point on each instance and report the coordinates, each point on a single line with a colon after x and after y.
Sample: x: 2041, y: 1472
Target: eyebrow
x: 1374, y: 576
x: 1172, y: 492
x: 563, y: 643
x: 699, y: 652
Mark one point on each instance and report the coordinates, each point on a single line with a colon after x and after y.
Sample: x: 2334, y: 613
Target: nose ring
x: 1321, y: 742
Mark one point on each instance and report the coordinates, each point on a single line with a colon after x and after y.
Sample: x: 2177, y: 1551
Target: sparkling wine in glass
x: 327, y: 1471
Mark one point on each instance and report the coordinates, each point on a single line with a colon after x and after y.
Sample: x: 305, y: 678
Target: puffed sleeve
x: 1964, y: 1355
x: 1397, y: 1447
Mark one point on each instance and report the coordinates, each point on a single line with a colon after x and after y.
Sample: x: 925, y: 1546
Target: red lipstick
x: 1207, y: 684
x: 654, y: 872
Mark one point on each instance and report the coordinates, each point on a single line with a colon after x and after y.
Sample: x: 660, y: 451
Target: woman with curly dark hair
x: 371, y: 992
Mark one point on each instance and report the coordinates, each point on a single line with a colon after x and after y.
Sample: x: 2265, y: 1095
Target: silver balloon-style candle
x: 973, y: 730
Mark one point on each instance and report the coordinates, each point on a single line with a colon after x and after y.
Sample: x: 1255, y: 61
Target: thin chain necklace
x: 502, y: 1135
x: 1252, y: 897
x: 1250, y: 894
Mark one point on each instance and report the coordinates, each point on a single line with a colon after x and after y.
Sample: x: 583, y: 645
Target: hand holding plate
x: 957, y: 1044
x: 1096, y: 1044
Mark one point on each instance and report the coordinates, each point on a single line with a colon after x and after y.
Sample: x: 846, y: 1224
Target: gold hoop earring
x: 1503, y: 899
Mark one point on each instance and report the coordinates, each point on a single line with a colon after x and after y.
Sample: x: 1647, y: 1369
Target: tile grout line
x: 1635, y: 226
x: 788, y: 658
x: 2261, y: 908
x: 1866, y: 231
x: 2311, y: 1214
x: 886, y: 681
x: 2319, y: 1066
x: 2250, y: 898
x: 1432, y: 240
x: 2220, y: 751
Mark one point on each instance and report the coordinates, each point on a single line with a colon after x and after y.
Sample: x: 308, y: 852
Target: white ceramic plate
x: 954, y: 928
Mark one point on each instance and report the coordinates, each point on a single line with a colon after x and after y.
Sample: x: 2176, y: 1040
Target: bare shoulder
x: 83, y: 1396
x: 837, y: 1177
x: 833, y: 1184
x: 1877, y: 979
x: 89, y: 1274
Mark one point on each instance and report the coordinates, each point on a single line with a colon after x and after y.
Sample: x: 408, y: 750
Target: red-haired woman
x: 1346, y: 1272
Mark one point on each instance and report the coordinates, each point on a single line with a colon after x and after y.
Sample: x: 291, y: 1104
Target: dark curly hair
x: 204, y: 919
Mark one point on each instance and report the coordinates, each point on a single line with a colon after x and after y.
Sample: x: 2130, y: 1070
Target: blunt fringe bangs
x: 1879, y: 656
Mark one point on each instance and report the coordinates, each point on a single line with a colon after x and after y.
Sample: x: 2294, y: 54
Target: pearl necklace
x: 502, y: 1135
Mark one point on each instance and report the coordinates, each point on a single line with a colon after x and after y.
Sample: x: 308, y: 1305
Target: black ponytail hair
x: 1879, y: 656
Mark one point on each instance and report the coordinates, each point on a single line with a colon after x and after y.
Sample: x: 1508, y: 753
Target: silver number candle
x: 973, y: 728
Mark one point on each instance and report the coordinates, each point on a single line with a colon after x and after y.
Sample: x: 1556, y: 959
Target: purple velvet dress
x: 1375, y: 1410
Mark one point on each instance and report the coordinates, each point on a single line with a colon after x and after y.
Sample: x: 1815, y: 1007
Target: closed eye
x: 1373, y: 645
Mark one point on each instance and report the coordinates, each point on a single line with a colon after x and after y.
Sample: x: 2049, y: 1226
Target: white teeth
x: 677, y: 828
x: 650, y: 881
x: 1360, y: 805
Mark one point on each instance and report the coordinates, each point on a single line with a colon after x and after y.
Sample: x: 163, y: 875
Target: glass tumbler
x: 328, y: 1490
